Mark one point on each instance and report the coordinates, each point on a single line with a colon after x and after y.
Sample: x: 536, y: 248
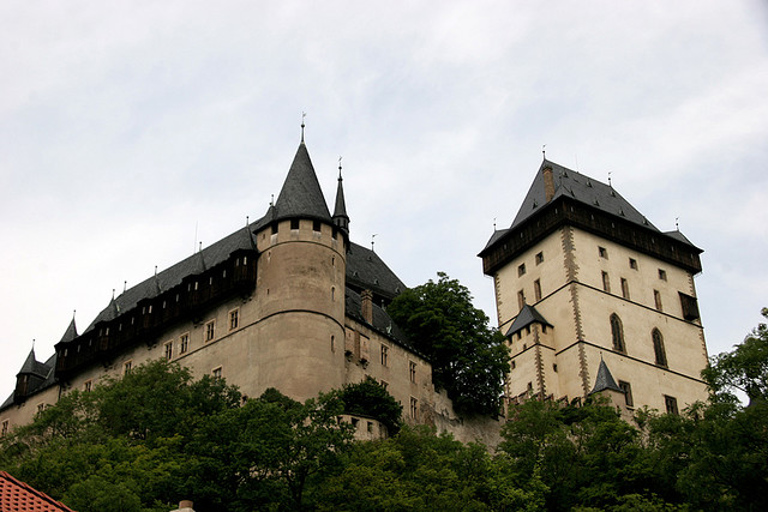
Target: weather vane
x: 372, y: 242
x: 303, y: 115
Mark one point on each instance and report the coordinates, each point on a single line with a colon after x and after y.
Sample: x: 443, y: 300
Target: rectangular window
x: 662, y: 274
x: 671, y: 404
x: 316, y: 226
x: 539, y: 258
x: 690, y: 306
x: 294, y: 223
x: 274, y: 228
x: 657, y: 300
x: 87, y: 386
x: 627, y: 389
x: 521, y: 270
x: 216, y: 373
x: 184, y: 343
x: 169, y: 350
x: 606, y: 282
x: 412, y: 371
x: 127, y: 366
x: 4, y: 430
x: 414, y: 408
x: 234, y: 319
x: 210, y: 330
x: 537, y: 290
x: 633, y: 263
x: 384, y: 355
x: 521, y: 299
x: 603, y: 252
x: 624, y: 288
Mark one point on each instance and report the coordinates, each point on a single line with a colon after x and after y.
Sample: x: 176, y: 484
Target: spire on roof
x: 340, y: 217
x: 303, y: 115
x: 71, y: 332
x: 29, y: 363
x: 604, y: 380
x: 301, y: 195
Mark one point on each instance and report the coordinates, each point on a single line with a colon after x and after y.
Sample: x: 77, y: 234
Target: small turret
x: 340, y: 217
x: 29, y: 378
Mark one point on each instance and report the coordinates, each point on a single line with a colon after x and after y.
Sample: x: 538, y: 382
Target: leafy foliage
x: 469, y: 359
x: 369, y: 398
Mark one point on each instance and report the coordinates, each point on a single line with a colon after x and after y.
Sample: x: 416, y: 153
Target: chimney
x: 366, y: 298
x: 184, y: 506
x: 549, y: 184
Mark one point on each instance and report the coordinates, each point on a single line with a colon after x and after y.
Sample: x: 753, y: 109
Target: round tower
x: 300, y: 289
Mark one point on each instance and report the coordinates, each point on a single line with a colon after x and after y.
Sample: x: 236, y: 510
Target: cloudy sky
x: 129, y: 131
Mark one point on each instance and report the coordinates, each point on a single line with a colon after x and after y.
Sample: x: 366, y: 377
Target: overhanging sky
x: 130, y: 131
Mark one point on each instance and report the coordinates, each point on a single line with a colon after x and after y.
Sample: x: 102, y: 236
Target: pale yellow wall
x: 24, y: 413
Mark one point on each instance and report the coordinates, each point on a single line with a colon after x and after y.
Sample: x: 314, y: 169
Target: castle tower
x: 582, y: 277
x: 300, y: 287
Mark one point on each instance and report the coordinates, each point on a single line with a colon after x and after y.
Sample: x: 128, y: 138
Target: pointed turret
x: 71, y: 332
x: 604, y: 380
x: 301, y: 196
x: 340, y: 217
x: 29, y: 378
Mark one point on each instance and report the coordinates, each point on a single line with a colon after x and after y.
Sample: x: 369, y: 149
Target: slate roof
x: 172, y: 276
x: 301, y: 195
x: 340, y: 208
x: 15, y: 495
x: 604, y: 380
x: 365, y: 270
x: 382, y: 323
x: 527, y: 316
x: 32, y: 366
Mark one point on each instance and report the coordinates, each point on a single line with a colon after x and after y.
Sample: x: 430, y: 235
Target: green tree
x: 369, y: 398
x: 469, y: 359
x: 744, y: 369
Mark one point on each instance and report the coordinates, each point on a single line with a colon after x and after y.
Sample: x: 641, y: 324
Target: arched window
x: 658, y: 348
x: 617, y: 333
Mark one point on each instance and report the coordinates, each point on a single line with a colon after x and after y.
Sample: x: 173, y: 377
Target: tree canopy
x: 469, y: 358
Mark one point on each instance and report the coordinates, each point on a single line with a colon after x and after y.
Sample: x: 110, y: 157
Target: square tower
x: 581, y: 277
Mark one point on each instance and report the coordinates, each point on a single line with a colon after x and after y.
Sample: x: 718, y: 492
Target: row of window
x: 625, y: 290
x: 670, y: 402
x: 209, y: 335
x: 316, y: 227
x: 603, y: 253
x: 538, y: 259
x: 384, y: 359
x: 617, y: 335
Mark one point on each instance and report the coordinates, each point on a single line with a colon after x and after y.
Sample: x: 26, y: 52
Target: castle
x: 290, y: 302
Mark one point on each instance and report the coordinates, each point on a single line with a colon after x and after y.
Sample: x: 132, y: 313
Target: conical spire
x: 301, y: 196
x: 30, y: 364
x: 340, y: 217
x: 71, y: 332
x: 604, y: 380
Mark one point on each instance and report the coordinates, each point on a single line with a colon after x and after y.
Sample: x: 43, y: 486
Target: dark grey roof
x: 677, y: 235
x: 32, y: 366
x: 71, y: 332
x: 526, y: 317
x: 382, y: 322
x: 366, y: 270
x: 301, y: 195
x: 582, y: 188
x: 172, y: 276
x: 497, y: 234
x: 604, y: 380
x: 340, y: 208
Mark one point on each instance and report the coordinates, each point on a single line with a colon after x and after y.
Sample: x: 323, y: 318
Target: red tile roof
x: 16, y: 496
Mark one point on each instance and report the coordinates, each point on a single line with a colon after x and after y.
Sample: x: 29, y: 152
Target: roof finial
x: 113, y: 294
x: 33, y: 343
x: 156, y: 267
x: 272, y: 200
x: 609, y: 178
x: 677, y: 224
x: 339, y: 166
x: 303, y: 115
x: 125, y: 285
x: 544, y: 151
x: 201, y: 246
x: 494, y: 223
x: 247, y: 221
x: 372, y: 242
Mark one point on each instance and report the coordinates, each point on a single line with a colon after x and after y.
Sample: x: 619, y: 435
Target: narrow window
x: 521, y: 299
x: 384, y: 355
x: 234, y: 319
x: 690, y: 306
x: 658, y: 348
x: 657, y: 300
x: 169, y: 350
x: 414, y: 408
x: 4, y: 431
x: 333, y: 343
x: 316, y: 226
x: 606, y: 282
x: 624, y: 288
x: 603, y: 252
x: 627, y: 389
x: 274, y: 228
x: 662, y: 274
x: 216, y: 373
x: 88, y: 385
x: 294, y: 224
x: 537, y: 290
x: 633, y: 263
x: 521, y: 270
x: 127, y: 366
x: 210, y: 330
x: 671, y: 403
x: 333, y: 293
x: 183, y: 343
x: 412, y: 371
x: 539, y: 258
x: 617, y: 333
